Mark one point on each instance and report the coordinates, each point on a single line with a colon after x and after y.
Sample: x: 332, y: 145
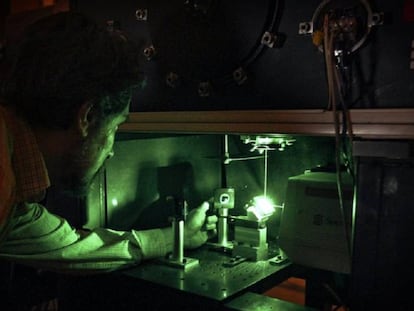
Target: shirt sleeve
x: 44, y: 240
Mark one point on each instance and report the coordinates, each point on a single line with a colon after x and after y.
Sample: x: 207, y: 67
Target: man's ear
x: 84, y: 118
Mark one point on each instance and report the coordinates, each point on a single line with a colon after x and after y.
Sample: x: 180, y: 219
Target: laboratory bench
x: 218, y: 281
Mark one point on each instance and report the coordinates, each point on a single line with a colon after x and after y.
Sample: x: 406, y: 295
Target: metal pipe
x: 222, y: 227
x: 178, y: 243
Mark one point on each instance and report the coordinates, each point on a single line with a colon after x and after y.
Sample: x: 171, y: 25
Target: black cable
x: 274, y: 10
x: 335, y: 88
x: 338, y: 300
x: 344, y: 99
x: 273, y: 16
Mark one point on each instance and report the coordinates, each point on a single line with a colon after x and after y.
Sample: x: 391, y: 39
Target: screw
x: 141, y: 14
x: 239, y: 75
x: 204, y: 89
x: 172, y: 79
x: 268, y: 39
x: 149, y: 52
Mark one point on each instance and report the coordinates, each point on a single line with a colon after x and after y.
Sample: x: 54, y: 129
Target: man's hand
x: 199, y: 227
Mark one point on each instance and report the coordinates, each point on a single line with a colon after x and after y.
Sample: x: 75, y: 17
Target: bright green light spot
x: 114, y: 202
x: 262, y: 207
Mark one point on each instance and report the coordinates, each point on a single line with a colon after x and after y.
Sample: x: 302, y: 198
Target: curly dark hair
x: 65, y: 60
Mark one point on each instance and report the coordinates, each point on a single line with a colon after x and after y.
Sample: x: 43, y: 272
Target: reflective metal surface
x: 213, y: 277
x: 252, y: 301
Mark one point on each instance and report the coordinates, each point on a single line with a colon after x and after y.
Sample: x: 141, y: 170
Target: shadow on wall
x: 175, y: 181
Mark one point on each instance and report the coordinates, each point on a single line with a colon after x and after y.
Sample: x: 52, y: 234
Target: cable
x: 334, y: 90
x: 274, y: 8
x: 334, y: 294
x: 254, y: 53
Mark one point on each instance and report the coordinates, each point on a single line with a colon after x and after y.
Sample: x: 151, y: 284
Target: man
x: 64, y: 99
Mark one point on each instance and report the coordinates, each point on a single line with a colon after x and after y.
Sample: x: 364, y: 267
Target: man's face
x: 84, y: 163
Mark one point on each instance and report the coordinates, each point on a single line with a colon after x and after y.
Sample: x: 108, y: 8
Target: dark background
x: 210, y: 43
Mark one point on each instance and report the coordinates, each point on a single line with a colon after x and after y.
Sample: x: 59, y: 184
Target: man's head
x: 74, y: 77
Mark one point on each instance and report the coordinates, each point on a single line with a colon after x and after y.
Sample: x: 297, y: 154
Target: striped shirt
x: 29, y: 167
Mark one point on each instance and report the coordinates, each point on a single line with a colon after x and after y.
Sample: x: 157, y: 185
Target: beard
x: 79, y: 186
x: 75, y: 187
x: 74, y: 174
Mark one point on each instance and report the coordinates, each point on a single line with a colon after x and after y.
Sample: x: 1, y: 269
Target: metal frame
x: 367, y: 123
